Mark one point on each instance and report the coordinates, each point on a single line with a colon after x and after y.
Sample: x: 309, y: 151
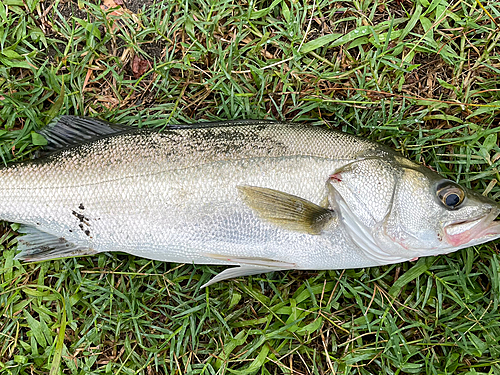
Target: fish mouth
x: 474, y: 231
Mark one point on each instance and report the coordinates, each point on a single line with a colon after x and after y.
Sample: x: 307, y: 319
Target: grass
x: 421, y: 77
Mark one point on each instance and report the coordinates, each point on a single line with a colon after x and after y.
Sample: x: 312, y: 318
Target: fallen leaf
x: 118, y: 12
x: 140, y: 66
x: 108, y: 4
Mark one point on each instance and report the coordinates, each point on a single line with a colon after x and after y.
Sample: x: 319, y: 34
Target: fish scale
x: 239, y: 193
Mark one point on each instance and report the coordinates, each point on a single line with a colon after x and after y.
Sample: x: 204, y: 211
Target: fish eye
x: 450, y: 194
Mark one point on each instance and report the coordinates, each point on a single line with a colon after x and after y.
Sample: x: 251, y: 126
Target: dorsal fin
x: 67, y: 131
x: 220, y: 124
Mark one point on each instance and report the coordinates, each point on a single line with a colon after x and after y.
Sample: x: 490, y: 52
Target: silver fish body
x: 210, y: 195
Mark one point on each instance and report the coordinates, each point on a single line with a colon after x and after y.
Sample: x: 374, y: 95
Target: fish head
x: 397, y: 210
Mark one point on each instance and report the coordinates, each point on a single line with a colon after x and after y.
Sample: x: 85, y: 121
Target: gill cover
x: 363, y: 193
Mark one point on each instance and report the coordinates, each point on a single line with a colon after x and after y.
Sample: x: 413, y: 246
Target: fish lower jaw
x: 472, y: 232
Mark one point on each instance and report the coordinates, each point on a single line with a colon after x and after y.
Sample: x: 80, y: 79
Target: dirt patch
x: 155, y: 50
x: 423, y: 82
x: 136, y: 6
x: 69, y: 9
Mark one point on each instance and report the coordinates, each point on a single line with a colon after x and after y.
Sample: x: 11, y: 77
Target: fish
x: 255, y: 194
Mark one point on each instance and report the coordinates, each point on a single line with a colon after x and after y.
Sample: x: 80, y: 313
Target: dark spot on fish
x: 81, y: 217
x: 81, y: 226
x: 78, y: 216
x: 62, y: 240
x: 87, y: 232
x: 71, y: 230
x: 81, y: 207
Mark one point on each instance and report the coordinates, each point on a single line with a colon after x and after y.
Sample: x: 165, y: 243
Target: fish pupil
x: 452, y: 200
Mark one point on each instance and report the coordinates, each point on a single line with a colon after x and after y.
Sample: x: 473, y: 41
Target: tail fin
x: 36, y: 245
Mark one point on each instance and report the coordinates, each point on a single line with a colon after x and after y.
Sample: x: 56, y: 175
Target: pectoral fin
x: 286, y: 210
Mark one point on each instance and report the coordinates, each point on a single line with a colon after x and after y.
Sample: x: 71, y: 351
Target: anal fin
x: 249, y: 266
x: 36, y: 245
x: 233, y: 272
x: 253, y: 261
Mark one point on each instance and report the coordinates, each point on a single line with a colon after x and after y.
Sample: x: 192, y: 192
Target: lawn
x: 422, y: 77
